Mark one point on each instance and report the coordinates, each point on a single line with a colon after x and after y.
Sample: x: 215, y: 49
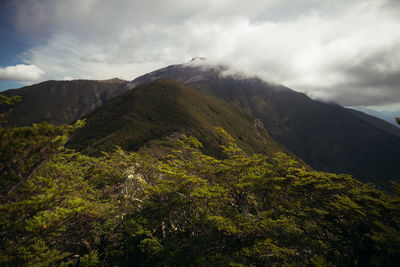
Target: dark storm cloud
x: 373, y: 80
x: 373, y: 73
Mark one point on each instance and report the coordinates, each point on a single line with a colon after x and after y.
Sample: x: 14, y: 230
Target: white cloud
x: 339, y: 50
x: 21, y: 72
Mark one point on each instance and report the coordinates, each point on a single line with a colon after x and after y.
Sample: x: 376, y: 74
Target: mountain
x: 60, y: 102
x: 388, y: 116
x: 377, y: 122
x: 326, y: 136
x: 149, y: 116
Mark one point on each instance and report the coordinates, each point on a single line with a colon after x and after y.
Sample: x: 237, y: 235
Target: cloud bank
x: 21, y: 72
x: 342, y: 51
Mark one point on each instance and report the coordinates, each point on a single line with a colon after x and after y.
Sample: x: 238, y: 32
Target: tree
x: 6, y: 101
x: 59, y: 207
x: 257, y: 210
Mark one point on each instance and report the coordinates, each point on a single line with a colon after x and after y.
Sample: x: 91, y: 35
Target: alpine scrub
x: 60, y: 207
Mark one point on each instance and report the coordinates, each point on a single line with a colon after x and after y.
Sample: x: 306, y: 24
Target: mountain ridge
x: 60, y: 102
x: 150, y: 114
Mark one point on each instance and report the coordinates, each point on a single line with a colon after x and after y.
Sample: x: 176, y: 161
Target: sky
x: 344, y: 51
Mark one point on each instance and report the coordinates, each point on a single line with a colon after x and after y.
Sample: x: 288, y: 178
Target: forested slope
x: 60, y: 207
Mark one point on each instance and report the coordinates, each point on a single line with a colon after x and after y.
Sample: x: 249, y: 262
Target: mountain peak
x: 197, y: 61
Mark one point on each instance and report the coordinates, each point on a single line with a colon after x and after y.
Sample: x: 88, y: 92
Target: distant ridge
x: 388, y: 116
x: 61, y: 102
x: 377, y: 123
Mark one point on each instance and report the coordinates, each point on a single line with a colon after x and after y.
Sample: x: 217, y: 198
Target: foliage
x: 66, y: 208
x: 187, y: 208
x: 23, y: 149
x: 6, y: 101
x: 261, y: 211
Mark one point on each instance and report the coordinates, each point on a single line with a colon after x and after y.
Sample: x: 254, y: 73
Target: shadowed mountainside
x: 326, y: 136
x: 60, y: 102
x: 377, y: 122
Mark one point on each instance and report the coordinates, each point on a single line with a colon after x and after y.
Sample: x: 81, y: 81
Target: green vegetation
x: 149, y: 116
x: 60, y: 207
x: 6, y: 102
x: 24, y: 149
